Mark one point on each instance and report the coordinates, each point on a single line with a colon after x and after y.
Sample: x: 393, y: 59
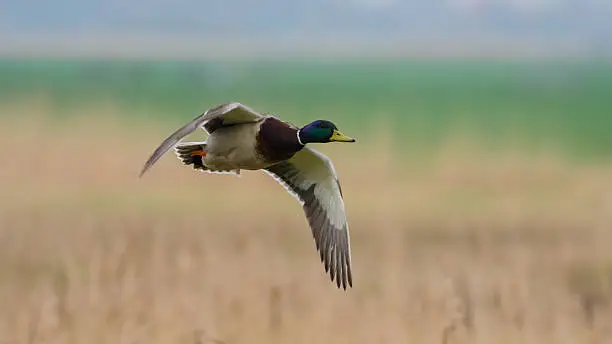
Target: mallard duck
x: 243, y: 139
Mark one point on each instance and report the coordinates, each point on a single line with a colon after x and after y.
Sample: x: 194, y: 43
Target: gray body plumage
x: 234, y: 148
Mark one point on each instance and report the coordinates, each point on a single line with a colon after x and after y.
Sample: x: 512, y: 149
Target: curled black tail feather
x: 185, y: 151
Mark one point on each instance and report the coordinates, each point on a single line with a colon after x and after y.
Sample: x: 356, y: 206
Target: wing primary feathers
x: 316, y: 230
x: 349, y: 275
x: 327, y: 247
x: 338, y: 266
x: 344, y: 271
x: 332, y: 263
x: 310, y: 177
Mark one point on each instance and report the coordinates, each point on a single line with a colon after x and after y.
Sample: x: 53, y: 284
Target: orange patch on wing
x: 198, y: 152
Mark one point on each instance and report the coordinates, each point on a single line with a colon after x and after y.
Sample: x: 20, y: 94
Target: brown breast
x: 277, y: 140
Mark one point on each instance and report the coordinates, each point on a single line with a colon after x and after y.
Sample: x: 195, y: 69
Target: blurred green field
x: 533, y: 105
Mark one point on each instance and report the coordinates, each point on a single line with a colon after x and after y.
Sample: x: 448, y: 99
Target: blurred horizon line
x: 184, y: 46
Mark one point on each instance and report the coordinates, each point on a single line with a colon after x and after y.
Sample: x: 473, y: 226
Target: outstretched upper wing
x: 225, y: 114
x: 310, y: 176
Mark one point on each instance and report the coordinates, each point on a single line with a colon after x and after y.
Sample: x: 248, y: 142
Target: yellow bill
x: 340, y: 137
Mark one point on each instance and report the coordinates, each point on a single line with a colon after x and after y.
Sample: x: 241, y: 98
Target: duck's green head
x: 321, y: 131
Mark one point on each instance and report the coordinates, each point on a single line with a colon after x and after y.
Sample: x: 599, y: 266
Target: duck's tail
x: 192, y: 153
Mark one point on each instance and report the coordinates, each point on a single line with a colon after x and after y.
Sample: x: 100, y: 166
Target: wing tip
x: 143, y: 171
x: 343, y: 283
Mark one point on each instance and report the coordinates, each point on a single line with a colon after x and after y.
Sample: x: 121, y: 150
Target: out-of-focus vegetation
x: 453, y: 245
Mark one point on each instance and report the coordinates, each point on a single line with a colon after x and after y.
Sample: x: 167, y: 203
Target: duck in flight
x: 243, y: 139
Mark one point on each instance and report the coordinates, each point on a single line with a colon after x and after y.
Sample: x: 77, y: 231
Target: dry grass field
x: 464, y: 247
